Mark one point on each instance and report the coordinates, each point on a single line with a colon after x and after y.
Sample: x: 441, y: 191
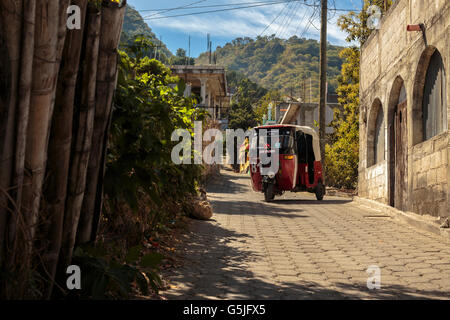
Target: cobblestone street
x: 299, y: 248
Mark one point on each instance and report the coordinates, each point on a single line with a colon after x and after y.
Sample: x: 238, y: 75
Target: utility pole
x: 189, y: 50
x: 160, y: 45
x: 210, y: 52
x: 304, y: 91
x: 310, y: 90
x: 323, y: 79
x: 209, y: 45
x: 157, y: 49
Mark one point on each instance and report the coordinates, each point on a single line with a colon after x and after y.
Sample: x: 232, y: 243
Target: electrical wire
x: 300, y: 21
x: 260, y: 4
x: 294, y: 14
x: 273, y: 47
x: 214, y: 6
x: 177, y: 8
x: 278, y: 15
x: 308, y: 24
x: 290, y: 6
x: 284, y: 19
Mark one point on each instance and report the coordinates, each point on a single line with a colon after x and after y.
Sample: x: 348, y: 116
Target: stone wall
x: 393, y: 57
x: 430, y: 183
x: 374, y: 184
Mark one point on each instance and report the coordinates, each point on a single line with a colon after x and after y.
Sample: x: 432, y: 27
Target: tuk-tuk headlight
x: 271, y: 175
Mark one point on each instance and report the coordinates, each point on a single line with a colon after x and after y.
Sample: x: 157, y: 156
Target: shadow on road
x: 255, y: 208
x: 224, y: 264
x: 234, y: 184
x: 214, y: 267
x: 309, y: 201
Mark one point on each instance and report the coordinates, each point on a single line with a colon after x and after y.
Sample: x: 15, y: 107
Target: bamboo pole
x: 60, y: 45
x: 10, y: 47
x: 59, y: 149
x: 26, y: 71
x: 83, y: 129
x: 42, y: 92
x: 112, y: 20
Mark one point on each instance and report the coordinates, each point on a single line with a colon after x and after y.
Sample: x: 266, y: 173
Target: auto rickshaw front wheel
x: 269, y: 192
x: 320, y: 191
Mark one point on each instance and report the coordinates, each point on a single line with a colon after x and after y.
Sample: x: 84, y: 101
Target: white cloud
x: 293, y: 20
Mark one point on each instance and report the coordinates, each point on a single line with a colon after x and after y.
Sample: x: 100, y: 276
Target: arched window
x: 378, y: 151
x: 434, y: 106
x: 375, y: 134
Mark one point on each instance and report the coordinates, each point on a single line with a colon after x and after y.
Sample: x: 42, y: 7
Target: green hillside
x: 134, y: 25
x: 279, y: 64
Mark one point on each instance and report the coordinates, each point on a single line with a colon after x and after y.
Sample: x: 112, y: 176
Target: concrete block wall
x: 375, y: 184
x: 429, y: 181
x: 392, y: 57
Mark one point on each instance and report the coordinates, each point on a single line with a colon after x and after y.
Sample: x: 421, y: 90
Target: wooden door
x: 401, y: 154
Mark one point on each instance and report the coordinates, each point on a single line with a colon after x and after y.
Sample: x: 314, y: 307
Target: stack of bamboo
x: 56, y: 94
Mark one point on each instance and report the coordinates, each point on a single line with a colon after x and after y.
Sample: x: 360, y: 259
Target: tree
x: 241, y: 117
x: 342, y: 151
x: 181, y: 53
x: 355, y: 24
x: 246, y: 97
x: 181, y: 59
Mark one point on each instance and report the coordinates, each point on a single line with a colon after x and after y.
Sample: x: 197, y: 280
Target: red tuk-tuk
x: 299, y: 164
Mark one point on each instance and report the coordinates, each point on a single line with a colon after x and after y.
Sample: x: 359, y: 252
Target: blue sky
x: 287, y: 19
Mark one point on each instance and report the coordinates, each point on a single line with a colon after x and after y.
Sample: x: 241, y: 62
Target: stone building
x: 209, y: 84
x: 404, y: 118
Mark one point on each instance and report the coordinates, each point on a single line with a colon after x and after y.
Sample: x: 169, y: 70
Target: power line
x: 222, y: 10
x: 273, y: 48
x: 177, y: 8
x: 189, y: 7
x: 294, y: 13
x: 278, y: 15
x: 284, y: 18
x: 300, y: 21
x: 308, y: 24
x: 215, y: 5
x: 260, y: 4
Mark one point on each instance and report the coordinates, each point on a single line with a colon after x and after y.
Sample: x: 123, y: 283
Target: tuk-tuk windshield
x: 282, y: 137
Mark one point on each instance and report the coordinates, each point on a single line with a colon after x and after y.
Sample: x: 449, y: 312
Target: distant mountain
x: 134, y: 25
x: 279, y: 64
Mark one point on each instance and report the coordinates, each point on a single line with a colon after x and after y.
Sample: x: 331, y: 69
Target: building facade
x: 404, y: 113
x: 209, y: 84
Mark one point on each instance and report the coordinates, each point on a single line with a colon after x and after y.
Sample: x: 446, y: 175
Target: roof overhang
x: 214, y: 73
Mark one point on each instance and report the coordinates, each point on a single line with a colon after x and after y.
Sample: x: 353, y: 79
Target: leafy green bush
x: 149, y: 106
x: 143, y: 188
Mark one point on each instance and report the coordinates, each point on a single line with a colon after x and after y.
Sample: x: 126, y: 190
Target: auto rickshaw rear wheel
x: 269, y: 193
x: 320, y: 191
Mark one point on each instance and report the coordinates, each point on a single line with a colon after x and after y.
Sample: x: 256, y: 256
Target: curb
x: 337, y: 193
x: 417, y: 221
